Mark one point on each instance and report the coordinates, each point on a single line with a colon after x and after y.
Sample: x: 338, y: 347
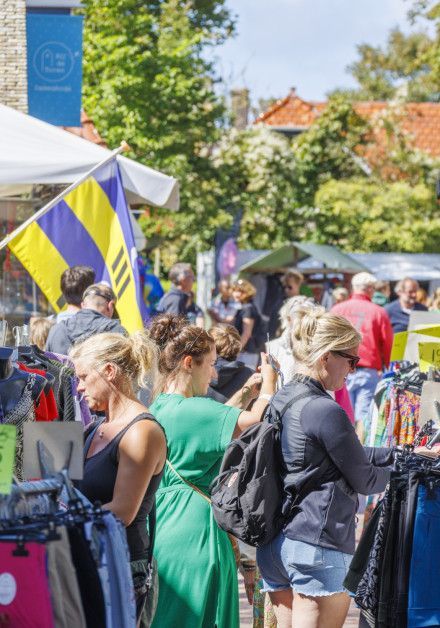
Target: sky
x: 305, y: 44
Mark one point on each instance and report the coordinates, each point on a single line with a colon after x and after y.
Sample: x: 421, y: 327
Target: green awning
x: 290, y: 255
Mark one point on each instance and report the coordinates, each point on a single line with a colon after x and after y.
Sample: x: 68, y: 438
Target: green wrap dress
x: 197, y: 573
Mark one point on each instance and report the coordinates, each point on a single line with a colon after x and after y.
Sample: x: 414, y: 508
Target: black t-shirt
x: 248, y: 310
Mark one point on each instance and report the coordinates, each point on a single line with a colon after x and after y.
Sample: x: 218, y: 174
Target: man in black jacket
x: 178, y: 298
x: 94, y: 317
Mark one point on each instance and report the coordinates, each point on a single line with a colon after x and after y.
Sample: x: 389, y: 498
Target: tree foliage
x: 408, y: 66
x: 368, y: 215
x: 327, y: 149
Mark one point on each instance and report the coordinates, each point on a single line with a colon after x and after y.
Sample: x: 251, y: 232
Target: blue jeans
x: 307, y: 569
x: 424, y: 577
x: 361, y: 386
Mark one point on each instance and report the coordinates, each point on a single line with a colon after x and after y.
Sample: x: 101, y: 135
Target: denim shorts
x: 307, y: 569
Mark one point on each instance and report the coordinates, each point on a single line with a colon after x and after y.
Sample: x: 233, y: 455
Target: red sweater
x: 373, y: 323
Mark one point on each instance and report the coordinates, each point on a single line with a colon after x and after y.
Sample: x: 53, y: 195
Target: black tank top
x: 98, y: 484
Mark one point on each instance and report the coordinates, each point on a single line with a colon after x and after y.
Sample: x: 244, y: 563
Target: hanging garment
x: 424, y: 580
x: 46, y: 406
x: 24, y: 587
x: 22, y: 412
x: 66, y: 598
x: 88, y: 579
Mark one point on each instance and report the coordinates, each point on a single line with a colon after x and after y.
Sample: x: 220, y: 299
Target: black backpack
x: 247, y: 497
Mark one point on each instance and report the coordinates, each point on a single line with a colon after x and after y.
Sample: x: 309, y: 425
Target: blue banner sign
x: 54, y: 60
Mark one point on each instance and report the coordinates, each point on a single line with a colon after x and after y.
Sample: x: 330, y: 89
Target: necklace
x: 101, y: 433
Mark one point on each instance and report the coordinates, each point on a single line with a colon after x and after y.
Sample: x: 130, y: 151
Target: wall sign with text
x: 54, y: 60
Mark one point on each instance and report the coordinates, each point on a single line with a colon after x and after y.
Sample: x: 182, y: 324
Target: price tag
x: 399, y: 345
x: 8, y: 435
x: 429, y: 355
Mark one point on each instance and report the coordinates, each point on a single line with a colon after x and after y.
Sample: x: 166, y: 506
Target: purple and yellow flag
x: 91, y: 226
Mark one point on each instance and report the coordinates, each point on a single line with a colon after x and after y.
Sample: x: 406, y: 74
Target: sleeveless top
x: 100, y: 471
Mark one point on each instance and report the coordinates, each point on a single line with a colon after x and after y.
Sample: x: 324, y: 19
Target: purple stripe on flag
x: 72, y: 240
x: 109, y: 178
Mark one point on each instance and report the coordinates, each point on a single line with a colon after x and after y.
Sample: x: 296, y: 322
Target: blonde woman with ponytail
x: 324, y: 467
x: 125, y: 452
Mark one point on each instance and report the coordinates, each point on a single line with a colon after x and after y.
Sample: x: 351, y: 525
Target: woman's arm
x: 248, y: 326
x: 142, y: 454
x: 268, y: 387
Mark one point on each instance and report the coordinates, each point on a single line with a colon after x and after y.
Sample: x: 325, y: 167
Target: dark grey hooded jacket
x: 323, y: 460
x: 76, y: 328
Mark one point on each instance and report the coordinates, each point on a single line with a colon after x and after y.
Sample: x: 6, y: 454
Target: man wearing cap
x: 373, y: 323
x: 94, y: 317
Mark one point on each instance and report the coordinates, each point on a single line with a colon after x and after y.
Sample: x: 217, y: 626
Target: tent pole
x: 60, y: 196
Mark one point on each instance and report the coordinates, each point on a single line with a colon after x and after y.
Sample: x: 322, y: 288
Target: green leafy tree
x: 255, y: 174
x: 369, y: 215
x: 328, y: 149
x: 147, y: 81
x: 407, y: 66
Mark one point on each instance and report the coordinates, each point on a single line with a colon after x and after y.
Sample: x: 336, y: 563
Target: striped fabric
x: 90, y: 226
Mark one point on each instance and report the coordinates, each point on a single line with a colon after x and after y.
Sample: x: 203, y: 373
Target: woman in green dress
x: 196, y: 564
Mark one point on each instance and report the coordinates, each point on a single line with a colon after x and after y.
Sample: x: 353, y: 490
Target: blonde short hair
x: 316, y: 332
x: 135, y: 356
x: 39, y: 331
x: 227, y: 341
x: 245, y: 287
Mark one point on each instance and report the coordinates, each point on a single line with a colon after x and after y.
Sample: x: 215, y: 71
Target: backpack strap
x: 280, y: 414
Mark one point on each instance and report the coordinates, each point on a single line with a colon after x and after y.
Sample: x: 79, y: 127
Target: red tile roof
x: 87, y: 130
x: 421, y: 120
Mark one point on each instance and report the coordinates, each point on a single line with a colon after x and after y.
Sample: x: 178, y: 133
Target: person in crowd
x: 281, y: 348
x: 223, y: 307
x: 73, y: 283
x: 231, y: 373
x: 400, y: 309
x: 176, y: 300
x: 303, y: 568
x: 382, y: 292
x: 197, y: 568
x: 95, y: 317
x: 422, y: 297
x: 125, y: 452
x: 291, y: 283
x: 435, y: 301
x: 39, y: 330
x: 248, y: 322
x: 340, y: 294
x: 194, y: 313
x: 373, y: 323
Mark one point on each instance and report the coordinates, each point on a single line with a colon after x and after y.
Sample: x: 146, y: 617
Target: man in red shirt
x: 373, y: 323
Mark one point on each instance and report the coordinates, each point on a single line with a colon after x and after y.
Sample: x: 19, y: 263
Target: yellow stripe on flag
x: 92, y: 207
x: 42, y: 260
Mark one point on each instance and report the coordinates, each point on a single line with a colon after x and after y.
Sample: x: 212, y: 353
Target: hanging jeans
x: 424, y: 579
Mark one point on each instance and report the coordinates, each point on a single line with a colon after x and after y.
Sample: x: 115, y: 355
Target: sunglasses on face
x: 353, y: 360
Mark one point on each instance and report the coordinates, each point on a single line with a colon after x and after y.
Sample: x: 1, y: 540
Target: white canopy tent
x: 34, y: 152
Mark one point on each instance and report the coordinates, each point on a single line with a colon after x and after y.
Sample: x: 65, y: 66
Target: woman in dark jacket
x: 304, y: 567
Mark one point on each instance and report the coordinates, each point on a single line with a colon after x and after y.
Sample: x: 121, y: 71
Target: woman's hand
x: 252, y: 386
x: 268, y: 372
x: 429, y: 453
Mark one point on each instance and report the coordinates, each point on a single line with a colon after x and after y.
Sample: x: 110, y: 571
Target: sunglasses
x: 353, y: 360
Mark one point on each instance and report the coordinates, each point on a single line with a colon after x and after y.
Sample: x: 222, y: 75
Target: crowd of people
x: 154, y: 455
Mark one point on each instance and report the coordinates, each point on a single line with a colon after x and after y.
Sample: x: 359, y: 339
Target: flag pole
x: 60, y: 196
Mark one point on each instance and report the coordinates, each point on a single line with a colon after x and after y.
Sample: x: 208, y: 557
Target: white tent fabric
x: 34, y: 152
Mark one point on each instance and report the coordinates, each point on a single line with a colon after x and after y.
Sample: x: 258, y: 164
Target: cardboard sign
x: 399, y: 345
x: 429, y: 355
x: 428, y: 410
x: 420, y: 323
x: 8, y: 435
x: 56, y: 438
